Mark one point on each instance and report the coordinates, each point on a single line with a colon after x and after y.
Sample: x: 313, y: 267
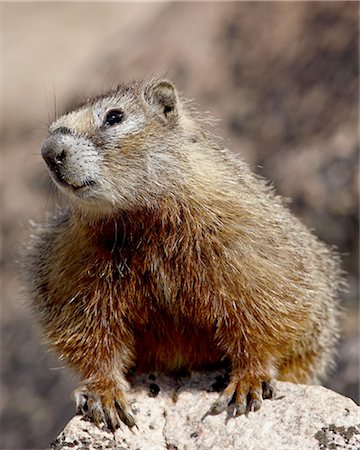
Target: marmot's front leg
x: 251, y: 376
x: 103, y: 400
x: 246, y: 391
x: 102, y: 396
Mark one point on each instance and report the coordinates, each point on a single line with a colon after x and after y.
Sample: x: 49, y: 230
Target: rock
x: 170, y: 414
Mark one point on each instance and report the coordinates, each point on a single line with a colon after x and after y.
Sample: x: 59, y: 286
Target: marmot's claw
x: 217, y: 407
x: 247, y: 397
x: 221, y: 403
x: 253, y: 405
x: 239, y: 410
x: 126, y: 417
x: 269, y: 390
x: 107, y: 411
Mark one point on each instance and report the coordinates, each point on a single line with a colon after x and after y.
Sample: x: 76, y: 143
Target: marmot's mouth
x: 75, y: 186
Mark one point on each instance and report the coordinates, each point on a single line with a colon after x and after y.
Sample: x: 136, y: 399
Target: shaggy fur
x: 173, y: 255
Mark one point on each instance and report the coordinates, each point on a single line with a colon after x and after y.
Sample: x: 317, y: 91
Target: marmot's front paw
x: 247, y: 396
x: 110, y: 408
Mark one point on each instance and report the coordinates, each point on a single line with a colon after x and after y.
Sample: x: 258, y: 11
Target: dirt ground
x: 283, y: 79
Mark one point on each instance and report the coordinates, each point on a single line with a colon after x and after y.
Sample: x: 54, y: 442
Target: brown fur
x: 205, y: 266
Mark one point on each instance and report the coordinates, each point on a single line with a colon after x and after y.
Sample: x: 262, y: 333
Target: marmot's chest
x: 136, y: 276
x: 132, y: 280
x: 166, y: 314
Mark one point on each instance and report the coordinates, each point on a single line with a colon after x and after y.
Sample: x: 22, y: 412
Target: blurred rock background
x: 283, y: 79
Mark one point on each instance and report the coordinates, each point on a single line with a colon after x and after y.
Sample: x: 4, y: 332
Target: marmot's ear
x: 162, y: 98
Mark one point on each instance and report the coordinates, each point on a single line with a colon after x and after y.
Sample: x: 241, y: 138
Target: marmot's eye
x: 113, y: 117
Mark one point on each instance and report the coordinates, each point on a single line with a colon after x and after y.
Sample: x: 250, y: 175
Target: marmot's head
x: 120, y: 150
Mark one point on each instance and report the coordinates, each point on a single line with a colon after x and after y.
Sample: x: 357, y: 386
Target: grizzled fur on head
x: 106, y: 167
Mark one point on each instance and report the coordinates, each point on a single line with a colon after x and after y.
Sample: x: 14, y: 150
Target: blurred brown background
x: 283, y: 79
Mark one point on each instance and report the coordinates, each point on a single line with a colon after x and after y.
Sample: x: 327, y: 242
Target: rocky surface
x: 171, y: 414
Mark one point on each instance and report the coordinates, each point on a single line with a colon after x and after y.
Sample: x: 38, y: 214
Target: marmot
x: 171, y: 254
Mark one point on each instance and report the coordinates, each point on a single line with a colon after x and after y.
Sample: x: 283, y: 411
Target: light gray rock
x: 299, y: 418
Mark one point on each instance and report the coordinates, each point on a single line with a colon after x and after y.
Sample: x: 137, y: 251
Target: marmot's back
x: 173, y: 255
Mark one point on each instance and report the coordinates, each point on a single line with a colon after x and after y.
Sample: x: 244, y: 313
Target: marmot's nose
x: 53, y: 152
